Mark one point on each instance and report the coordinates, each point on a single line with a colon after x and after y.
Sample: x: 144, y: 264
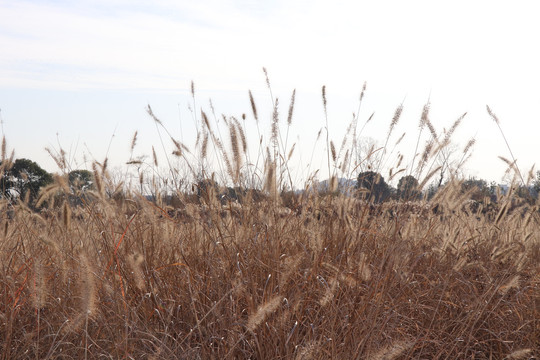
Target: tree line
x: 23, y: 179
x: 376, y: 189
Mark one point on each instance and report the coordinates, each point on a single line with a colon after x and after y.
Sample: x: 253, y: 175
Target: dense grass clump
x: 337, y: 278
x: 262, y: 272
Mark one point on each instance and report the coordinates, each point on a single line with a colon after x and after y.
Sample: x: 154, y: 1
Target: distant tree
x: 536, y: 185
x: 232, y: 194
x: 407, y: 188
x: 527, y: 193
x: 206, y: 189
x: 24, y: 178
x: 81, y: 180
x: 375, y: 184
x: 493, y: 188
x: 432, y: 190
x: 478, y: 188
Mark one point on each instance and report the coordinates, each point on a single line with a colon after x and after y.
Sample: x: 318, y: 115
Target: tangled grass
x: 326, y: 276
x: 335, y: 278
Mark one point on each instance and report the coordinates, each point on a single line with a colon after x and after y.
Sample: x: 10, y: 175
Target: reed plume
x: 263, y: 312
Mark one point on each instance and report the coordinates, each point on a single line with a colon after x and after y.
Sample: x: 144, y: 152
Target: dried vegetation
x: 326, y: 277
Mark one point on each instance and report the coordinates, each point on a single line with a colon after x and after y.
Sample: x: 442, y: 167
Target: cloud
x: 223, y: 44
x: 413, y: 47
x: 136, y: 47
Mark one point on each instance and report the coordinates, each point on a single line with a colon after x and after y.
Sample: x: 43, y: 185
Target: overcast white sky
x: 79, y: 72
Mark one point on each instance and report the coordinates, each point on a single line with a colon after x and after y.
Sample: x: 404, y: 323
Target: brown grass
x: 349, y: 283
x: 328, y: 277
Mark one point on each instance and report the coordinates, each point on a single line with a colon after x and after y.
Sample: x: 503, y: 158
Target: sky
x: 80, y: 74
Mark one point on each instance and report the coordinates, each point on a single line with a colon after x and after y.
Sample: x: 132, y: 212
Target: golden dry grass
x: 384, y: 282
x: 328, y: 276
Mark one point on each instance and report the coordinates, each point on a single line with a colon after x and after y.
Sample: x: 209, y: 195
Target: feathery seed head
x: 133, y: 141
x: 324, y: 97
x: 154, y: 156
x: 66, y: 215
x: 253, y: 107
x: 266, y: 75
x: 424, y: 119
x: 492, y: 114
x: 263, y: 312
x: 291, y: 108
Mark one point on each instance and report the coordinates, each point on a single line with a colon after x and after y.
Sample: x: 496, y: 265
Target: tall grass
x: 273, y: 275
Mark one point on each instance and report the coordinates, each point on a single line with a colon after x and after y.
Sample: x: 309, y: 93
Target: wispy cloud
x: 160, y: 44
x: 77, y: 46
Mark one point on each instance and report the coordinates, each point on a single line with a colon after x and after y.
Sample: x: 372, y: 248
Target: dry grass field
x: 307, y: 276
